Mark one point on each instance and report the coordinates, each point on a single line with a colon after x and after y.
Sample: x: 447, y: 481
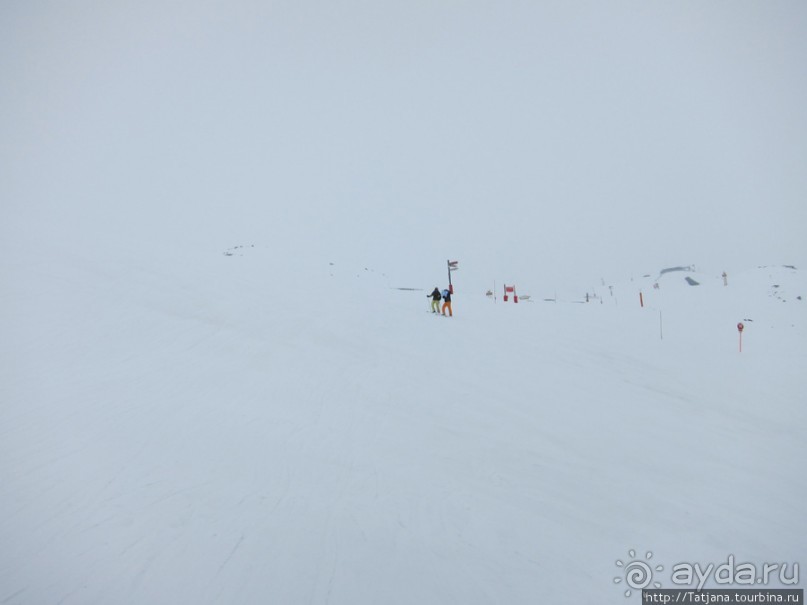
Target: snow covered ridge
x: 190, y: 428
x: 700, y: 305
x: 672, y: 269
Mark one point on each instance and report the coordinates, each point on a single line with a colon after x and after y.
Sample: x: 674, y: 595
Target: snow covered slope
x: 219, y: 223
x: 217, y: 425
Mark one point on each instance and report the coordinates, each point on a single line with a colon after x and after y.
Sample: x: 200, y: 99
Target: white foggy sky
x: 531, y: 140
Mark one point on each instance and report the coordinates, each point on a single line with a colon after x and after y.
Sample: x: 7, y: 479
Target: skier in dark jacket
x: 447, y: 303
x: 435, y: 300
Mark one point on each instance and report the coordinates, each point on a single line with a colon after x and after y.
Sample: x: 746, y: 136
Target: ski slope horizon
x: 562, y: 141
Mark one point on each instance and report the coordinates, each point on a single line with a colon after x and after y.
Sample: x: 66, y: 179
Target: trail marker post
x: 740, y: 328
x: 452, y: 265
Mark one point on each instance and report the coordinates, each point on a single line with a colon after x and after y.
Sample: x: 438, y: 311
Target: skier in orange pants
x: 447, y: 303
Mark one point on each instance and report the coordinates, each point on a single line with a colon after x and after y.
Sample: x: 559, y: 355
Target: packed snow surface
x: 217, y: 425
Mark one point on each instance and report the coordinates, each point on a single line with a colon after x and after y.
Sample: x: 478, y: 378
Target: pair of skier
x: 436, y: 296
